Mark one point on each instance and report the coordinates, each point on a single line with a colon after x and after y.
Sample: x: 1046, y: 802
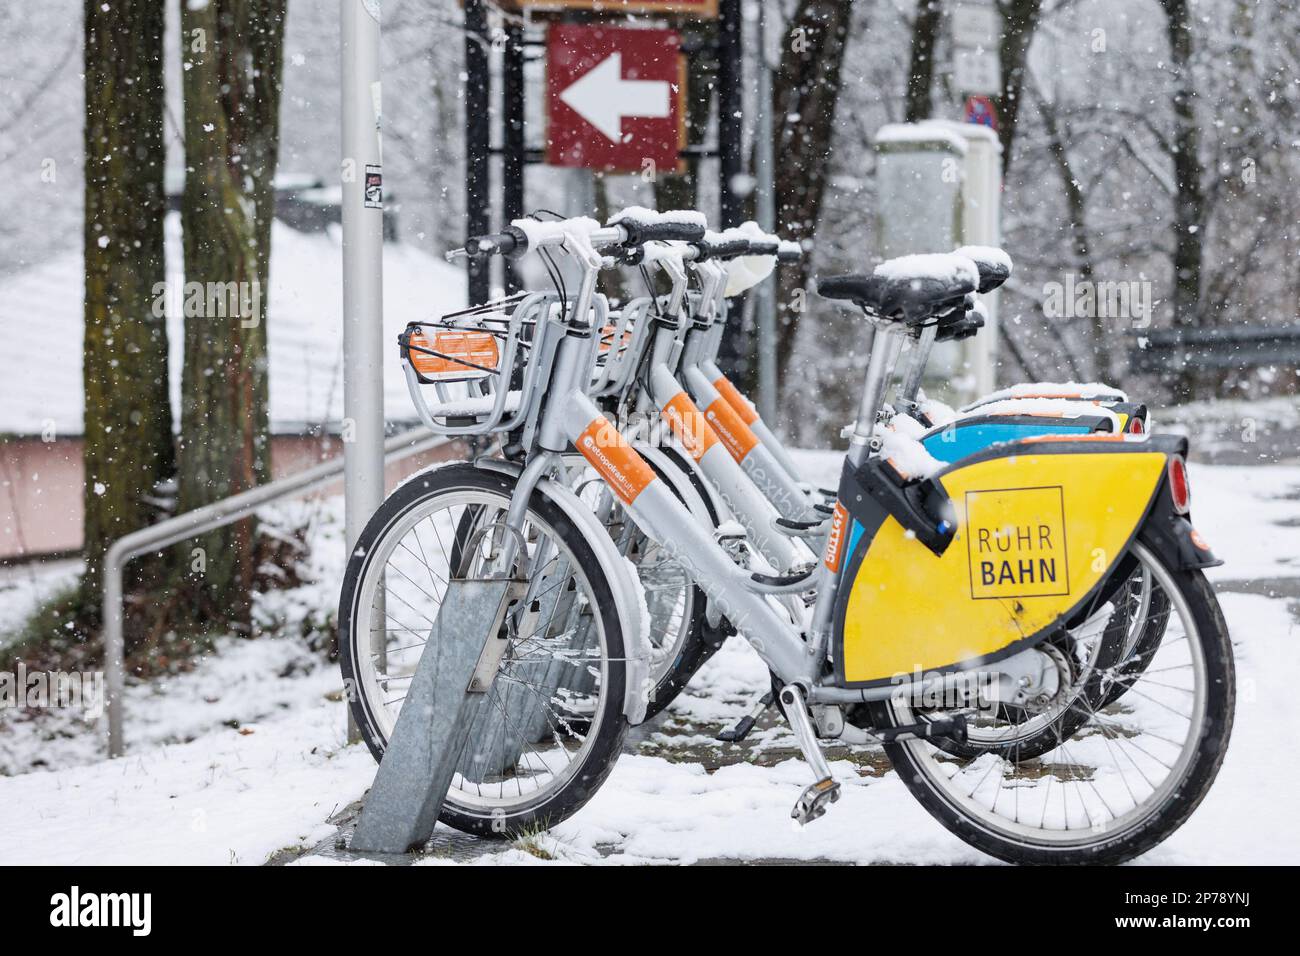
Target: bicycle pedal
x: 746, y: 724
x: 814, y: 800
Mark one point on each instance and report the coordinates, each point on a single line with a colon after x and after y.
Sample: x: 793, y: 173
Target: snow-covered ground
x: 246, y: 755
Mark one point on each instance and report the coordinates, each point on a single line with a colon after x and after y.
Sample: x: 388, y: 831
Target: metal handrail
x: 199, y: 521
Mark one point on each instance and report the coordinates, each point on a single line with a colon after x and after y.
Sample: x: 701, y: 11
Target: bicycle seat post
x: 911, y: 386
x: 880, y: 342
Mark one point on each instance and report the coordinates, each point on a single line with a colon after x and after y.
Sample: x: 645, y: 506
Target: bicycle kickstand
x: 736, y: 734
x: 817, y: 796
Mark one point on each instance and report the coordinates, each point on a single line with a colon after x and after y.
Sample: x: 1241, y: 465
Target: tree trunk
x: 920, y: 75
x: 1019, y: 21
x: 1076, y: 210
x: 1189, y: 199
x: 232, y: 57
x: 128, y: 424
x: 805, y: 89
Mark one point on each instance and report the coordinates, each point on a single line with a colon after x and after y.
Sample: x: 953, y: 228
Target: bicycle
x: 1018, y: 412
x: 907, y: 577
x: 683, y: 348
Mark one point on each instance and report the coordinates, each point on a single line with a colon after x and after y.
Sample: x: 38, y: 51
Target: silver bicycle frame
x: 757, y: 461
x: 570, y: 416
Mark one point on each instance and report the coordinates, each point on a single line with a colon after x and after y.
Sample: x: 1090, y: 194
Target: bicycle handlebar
x: 632, y: 230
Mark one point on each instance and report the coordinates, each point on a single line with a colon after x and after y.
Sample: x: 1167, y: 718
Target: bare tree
x: 232, y: 55
x: 1076, y: 206
x: 806, y: 89
x: 920, y: 74
x: 1019, y: 21
x: 128, y: 425
x: 1189, y: 199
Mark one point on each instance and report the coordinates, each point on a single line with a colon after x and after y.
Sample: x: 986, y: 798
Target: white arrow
x: 602, y: 97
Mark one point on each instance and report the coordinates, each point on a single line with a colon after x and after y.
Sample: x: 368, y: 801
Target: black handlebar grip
x: 664, y: 230
x: 661, y: 227
x: 512, y: 242
x: 728, y: 248
x: 764, y: 247
x: 789, y: 251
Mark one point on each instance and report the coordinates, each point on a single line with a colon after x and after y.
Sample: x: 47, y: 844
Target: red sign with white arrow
x: 615, y: 98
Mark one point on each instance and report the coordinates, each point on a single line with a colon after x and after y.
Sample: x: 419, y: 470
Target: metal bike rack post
x: 444, y: 696
x: 200, y: 521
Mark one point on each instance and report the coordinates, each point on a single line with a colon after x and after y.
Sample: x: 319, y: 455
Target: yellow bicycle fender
x: 1035, y: 534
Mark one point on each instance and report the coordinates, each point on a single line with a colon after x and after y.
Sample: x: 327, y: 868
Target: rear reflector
x: 1179, y: 490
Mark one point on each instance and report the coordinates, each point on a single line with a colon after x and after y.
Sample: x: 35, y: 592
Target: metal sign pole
x: 478, y: 132
x: 363, y: 264
x: 730, y: 129
x: 512, y: 137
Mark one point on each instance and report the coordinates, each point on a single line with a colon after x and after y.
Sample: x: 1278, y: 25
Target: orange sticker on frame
x: 614, y: 459
x: 835, y: 539
x: 687, y: 422
x: 742, y: 406
x: 734, y: 433
x: 607, y: 338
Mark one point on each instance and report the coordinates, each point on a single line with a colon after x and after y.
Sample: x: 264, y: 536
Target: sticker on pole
x: 374, y: 195
x: 615, y: 98
x: 1016, y: 540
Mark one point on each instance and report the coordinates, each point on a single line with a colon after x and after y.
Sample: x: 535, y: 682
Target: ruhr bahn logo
x: 615, y: 98
x: 1015, y: 538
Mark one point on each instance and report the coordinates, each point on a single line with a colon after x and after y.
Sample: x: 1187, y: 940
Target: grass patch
x: 530, y: 842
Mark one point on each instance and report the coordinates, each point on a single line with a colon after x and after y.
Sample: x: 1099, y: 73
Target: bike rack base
x: 425, y: 746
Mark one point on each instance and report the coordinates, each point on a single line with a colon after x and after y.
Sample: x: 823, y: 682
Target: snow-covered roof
x: 41, y: 331
x: 924, y: 133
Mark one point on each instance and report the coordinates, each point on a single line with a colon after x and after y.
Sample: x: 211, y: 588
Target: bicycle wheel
x: 1150, y: 616
x: 1129, y: 776
x: 1088, y: 659
x: 1097, y: 659
x: 523, y: 763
